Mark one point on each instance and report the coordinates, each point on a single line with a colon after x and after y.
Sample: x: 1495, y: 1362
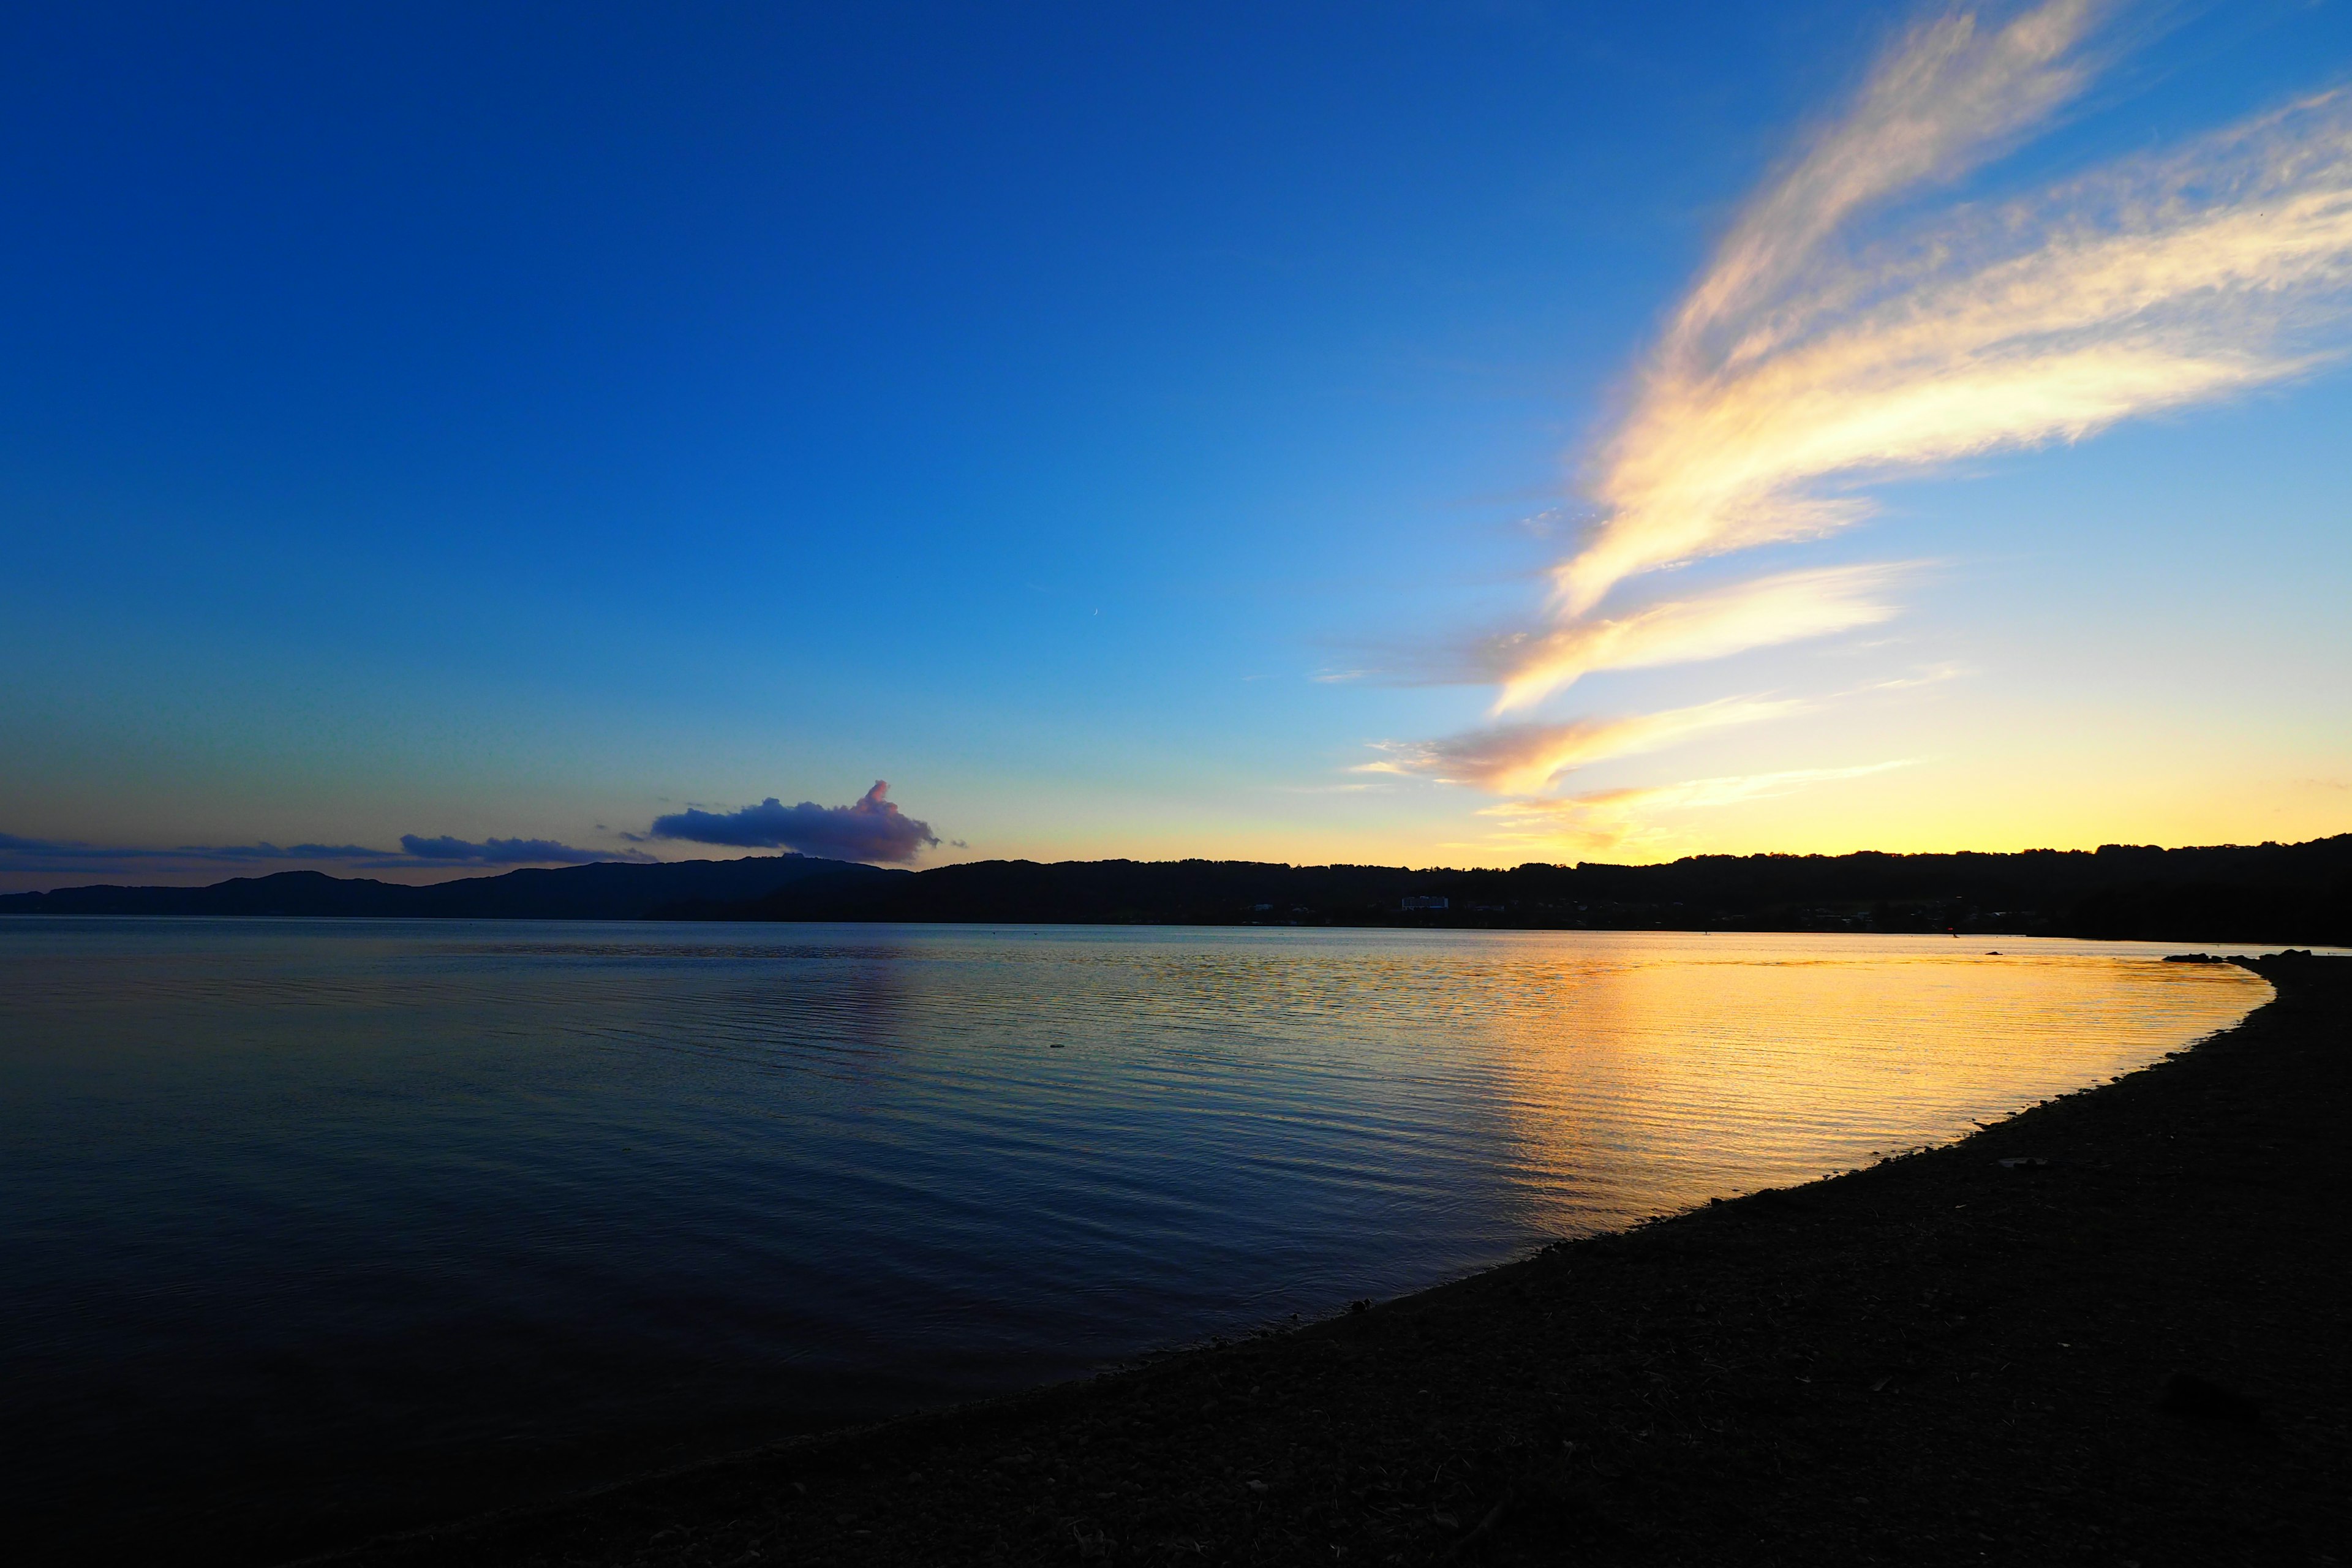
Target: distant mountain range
x: 2266, y: 892
x: 607, y: 890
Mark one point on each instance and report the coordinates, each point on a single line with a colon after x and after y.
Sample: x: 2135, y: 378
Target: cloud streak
x: 1613, y: 818
x: 69, y: 850
x: 1520, y: 758
x: 22, y: 854
x: 1784, y: 608
x: 509, y: 852
x: 872, y: 828
x: 1798, y: 366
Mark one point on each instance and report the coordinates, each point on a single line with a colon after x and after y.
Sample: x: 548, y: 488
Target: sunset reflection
x: 1719, y: 1065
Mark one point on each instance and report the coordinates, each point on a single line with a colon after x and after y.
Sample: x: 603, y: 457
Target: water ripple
x: 380, y: 1206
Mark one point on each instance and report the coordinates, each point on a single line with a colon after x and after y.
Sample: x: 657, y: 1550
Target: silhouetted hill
x: 2266, y: 892
x: 609, y: 889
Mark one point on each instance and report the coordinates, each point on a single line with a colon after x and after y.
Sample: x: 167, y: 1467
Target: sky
x: 435, y: 439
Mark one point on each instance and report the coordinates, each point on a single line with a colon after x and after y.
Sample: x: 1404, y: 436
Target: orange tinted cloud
x: 1615, y: 818
x: 1519, y: 759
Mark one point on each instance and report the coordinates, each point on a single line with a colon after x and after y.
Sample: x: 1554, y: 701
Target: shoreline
x: 2129, y: 1352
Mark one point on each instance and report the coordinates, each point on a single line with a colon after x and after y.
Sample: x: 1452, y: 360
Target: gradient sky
x: 1435, y: 433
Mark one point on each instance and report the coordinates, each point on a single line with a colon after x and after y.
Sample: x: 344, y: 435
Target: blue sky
x: 1116, y: 426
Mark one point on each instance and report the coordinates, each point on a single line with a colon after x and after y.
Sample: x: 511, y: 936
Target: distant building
x: 1419, y: 901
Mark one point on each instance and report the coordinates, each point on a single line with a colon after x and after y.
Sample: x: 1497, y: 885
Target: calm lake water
x: 314, y: 1228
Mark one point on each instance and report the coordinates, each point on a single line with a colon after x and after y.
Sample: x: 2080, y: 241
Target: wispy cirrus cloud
x: 1611, y: 818
x: 1788, y: 607
x: 1801, y: 363
x: 1930, y: 675
x: 1519, y: 759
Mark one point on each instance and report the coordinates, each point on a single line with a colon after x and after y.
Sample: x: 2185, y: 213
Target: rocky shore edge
x: 2110, y: 1330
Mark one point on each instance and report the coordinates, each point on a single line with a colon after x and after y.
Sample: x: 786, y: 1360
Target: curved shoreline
x: 2131, y: 1354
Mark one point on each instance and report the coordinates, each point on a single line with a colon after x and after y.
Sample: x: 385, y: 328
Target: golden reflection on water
x: 1653, y: 1079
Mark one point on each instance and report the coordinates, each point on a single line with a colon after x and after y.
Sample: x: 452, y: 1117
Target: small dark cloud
x: 20, y: 854
x: 509, y: 852
x: 871, y: 829
x: 69, y: 852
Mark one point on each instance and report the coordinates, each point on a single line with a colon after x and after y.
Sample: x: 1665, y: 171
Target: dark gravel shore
x: 2112, y: 1330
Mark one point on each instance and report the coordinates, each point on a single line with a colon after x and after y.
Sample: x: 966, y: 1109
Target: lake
x: 317, y: 1227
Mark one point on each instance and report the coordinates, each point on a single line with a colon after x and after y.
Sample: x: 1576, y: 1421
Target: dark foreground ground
x: 2140, y: 1351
